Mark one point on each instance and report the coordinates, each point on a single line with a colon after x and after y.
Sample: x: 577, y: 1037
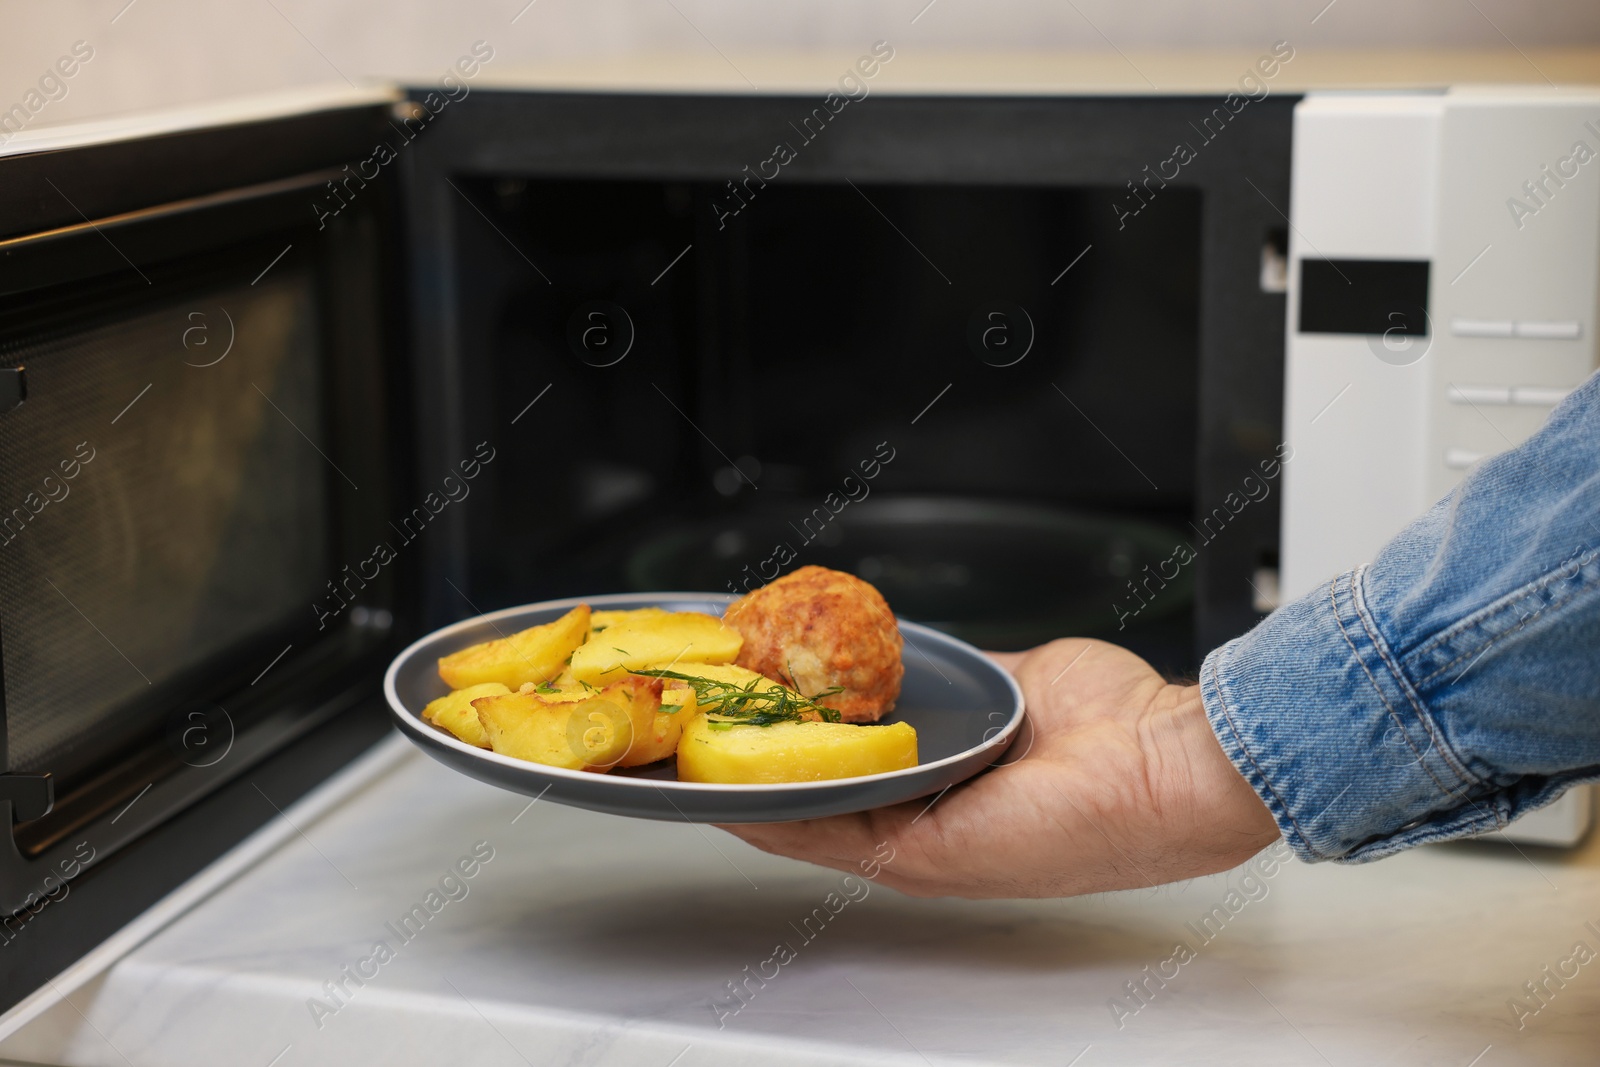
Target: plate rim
x: 416, y: 728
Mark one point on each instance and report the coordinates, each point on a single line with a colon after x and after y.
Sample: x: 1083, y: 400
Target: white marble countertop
x: 595, y: 940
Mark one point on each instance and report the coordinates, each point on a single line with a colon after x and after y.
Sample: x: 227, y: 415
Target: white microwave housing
x: 1497, y: 190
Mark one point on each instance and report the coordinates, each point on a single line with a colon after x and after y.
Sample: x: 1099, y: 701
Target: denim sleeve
x: 1446, y: 687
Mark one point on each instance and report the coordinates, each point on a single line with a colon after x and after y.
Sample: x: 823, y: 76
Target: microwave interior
x: 683, y: 359
x: 896, y: 380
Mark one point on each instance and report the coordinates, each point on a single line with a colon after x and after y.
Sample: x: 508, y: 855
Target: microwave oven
x: 288, y: 383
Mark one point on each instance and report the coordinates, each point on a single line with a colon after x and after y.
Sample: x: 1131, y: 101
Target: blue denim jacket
x: 1446, y: 687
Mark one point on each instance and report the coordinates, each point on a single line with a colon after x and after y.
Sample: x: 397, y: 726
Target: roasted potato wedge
x: 456, y: 713
x: 593, y: 733
x: 656, y: 737
x: 536, y: 655
x: 683, y: 637
x: 555, y: 693
x: 676, y: 696
x: 602, y: 620
x: 791, y: 751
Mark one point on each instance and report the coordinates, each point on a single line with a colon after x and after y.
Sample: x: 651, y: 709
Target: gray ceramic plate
x: 965, y: 708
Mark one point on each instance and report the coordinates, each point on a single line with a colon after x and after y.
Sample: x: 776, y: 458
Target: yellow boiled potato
x: 791, y: 751
x: 456, y: 713
x: 535, y: 655
x: 682, y: 637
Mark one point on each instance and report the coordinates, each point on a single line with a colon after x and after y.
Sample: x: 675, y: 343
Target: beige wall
x: 160, y: 52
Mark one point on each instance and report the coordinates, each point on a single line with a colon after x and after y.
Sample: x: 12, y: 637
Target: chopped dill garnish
x: 624, y: 651
x: 729, y: 705
x: 596, y: 629
x: 545, y: 687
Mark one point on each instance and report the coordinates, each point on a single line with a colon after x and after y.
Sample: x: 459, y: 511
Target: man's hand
x: 1124, y: 786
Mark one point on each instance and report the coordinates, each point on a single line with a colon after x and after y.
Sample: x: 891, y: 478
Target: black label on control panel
x: 1364, y: 296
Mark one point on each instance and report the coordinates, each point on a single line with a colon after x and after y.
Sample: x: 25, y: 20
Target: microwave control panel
x: 1444, y: 255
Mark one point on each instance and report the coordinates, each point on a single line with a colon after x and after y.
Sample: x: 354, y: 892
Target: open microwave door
x: 198, y: 387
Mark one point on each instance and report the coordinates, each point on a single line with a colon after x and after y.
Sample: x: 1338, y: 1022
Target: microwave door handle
x: 31, y: 795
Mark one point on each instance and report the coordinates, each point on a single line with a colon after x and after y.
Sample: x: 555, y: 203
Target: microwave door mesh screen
x: 163, y: 505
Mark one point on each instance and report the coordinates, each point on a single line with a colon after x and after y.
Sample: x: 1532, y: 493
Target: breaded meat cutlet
x: 816, y: 628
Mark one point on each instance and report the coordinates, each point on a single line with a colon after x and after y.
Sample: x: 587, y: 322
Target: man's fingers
x: 837, y: 842
x: 871, y: 868
x: 905, y: 837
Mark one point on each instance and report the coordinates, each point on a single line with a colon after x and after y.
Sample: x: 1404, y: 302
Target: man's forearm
x: 1448, y: 686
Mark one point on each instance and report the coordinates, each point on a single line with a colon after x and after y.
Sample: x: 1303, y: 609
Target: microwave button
x: 1460, y: 458
x: 1480, y: 394
x: 1482, y: 327
x: 1542, y: 396
x: 1548, y: 331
